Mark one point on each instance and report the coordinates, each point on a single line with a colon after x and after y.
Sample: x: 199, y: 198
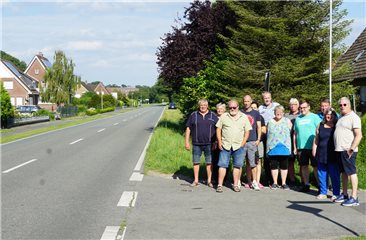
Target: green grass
x: 166, y: 152
x: 361, y: 157
x: 363, y: 237
x: 72, y: 121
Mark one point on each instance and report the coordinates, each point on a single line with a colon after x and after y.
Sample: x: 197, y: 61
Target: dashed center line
x: 124, y: 120
x: 128, y: 199
x: 136, y: 176
x: 110, y: 233
x: 20, y: 165
x: 101, y: 130
x: 81, y: 139
x: 115, y: 124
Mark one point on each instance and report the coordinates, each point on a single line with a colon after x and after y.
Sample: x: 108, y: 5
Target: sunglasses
x: 343, y: 105
x: 233, y: 108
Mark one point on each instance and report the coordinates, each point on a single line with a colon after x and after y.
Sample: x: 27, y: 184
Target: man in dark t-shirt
x: 201, y: 126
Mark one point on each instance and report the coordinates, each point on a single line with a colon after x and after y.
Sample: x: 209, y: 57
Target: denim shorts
x: 238, y: 157
x: 348, y: 163
x: 197, y: 152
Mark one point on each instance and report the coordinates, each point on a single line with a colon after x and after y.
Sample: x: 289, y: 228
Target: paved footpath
x: 169, y: 208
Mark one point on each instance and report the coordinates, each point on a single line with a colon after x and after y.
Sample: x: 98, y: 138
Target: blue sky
x: 110, y: 41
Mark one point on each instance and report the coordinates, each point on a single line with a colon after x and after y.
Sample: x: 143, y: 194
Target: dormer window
x: 358, y: 56
x: 36, y: 71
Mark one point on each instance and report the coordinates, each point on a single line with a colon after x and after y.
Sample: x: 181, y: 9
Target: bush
x: 361, y: 157
x: 44, y: 112
x: 7, y: 110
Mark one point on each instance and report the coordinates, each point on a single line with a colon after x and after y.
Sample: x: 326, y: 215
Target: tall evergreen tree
x: 60, y: 81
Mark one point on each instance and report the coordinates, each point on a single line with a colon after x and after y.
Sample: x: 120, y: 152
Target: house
x: 83, y: 88
x: 356, y: 56
x: 21, y: 87
x: 37, y: 69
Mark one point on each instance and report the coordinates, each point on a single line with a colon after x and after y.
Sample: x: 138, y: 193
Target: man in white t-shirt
x: 347, y: 137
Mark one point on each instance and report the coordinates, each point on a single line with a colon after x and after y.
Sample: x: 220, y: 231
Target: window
x: 36, y: 71
x: 358, y: 56
x: 12, y: 100
x: 8, y: 85
x: 19, y: 101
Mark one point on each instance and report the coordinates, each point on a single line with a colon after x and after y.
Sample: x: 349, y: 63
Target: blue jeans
x: 238, y: 157
x: 197, y: 152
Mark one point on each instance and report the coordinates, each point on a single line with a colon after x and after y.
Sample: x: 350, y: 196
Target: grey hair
x: 294, y: 101
x: 220, y: 105
x: 346, y: 99
x: 279, y: 107
x: 233, y: 101
x: 202, y: 101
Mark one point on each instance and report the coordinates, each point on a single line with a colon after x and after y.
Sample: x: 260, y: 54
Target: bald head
x: 247, y: 101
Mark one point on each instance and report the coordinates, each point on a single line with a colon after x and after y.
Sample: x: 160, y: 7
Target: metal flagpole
x: 330, y: 50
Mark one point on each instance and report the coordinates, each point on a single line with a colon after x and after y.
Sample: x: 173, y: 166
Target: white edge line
x: 76, y: 141
x: 126, y: 198
x: 110, y: 233
x: 123, y: 234
x: 20, y: 165
x: 142, y: 156
x: 101, y: 130
x: 136, y: 177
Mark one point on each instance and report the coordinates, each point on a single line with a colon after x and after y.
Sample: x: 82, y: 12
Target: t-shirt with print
x: 253, y: 117
x: 305, y: 128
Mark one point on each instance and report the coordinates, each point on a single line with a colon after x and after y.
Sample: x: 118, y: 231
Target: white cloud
x: 84, y: 45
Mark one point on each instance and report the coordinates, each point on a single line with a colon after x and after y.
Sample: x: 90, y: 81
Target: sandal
x: 236, y: 188
x: 194, y: 184
x: 210, y: 185
x: 219, y: 189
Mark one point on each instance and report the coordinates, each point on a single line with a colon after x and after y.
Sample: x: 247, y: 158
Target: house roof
x: 356, y: 54
x: 43, y: 60
x: 87, y: 86
x: 27, y: 81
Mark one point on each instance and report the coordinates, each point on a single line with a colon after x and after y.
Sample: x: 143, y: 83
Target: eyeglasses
x: 233, y: 108
x: 343, y: 105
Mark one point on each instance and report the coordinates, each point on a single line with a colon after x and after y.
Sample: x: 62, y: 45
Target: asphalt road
x: 66, y: 184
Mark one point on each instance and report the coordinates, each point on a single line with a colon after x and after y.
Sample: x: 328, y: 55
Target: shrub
x: 361, y: 157
x: 7, y: 110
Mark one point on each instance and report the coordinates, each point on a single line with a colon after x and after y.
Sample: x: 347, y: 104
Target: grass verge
x: 68, y: 123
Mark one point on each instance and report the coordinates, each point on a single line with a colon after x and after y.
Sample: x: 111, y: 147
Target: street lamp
x: 101, y: 99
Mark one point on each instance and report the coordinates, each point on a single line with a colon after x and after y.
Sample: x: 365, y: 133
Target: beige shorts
x: 260, y: 150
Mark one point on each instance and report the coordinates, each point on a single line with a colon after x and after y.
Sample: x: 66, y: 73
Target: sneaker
x: 255, y: 186
x: 236, y: 188
x: 274, y: 186
x: 351, y: 202
x: 334, y: 197
x: 305, y: 188
x: 285, y: 187
x: 341, y: 198
x: 246, y: 185
x: 260, y: 186
x: 321, y: 197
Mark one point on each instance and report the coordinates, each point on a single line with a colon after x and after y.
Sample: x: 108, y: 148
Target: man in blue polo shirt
x: 201, y: 125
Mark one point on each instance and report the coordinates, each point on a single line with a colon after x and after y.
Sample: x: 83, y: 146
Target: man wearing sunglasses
x: 347, y: 137
x: 232, y: 133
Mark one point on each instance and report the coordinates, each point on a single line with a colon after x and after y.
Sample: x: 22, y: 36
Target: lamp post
x: 101, y: 99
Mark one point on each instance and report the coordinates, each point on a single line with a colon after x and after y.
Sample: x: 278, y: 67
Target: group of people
x: 327, y: 141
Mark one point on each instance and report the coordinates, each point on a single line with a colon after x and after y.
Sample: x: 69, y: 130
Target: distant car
x: 172, y: 106
x: 28, y: 108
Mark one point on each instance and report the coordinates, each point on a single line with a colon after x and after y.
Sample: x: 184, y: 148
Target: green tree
x: 7, y: 110
x: 21, y: 65
x: 60, y: 81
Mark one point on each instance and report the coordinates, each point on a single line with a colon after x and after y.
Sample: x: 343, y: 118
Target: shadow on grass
x: 175, y: 126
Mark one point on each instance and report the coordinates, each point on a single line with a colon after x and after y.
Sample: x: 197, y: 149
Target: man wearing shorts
x: 252, y: 142
x: 232, y: 134
x: 201, y: 124
x: 304, y: 134
x: 347, y: 137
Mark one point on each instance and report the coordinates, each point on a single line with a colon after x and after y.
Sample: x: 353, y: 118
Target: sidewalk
x: 169, y: 208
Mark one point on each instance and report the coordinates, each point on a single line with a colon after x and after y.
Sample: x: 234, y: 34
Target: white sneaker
x: 255, y: 186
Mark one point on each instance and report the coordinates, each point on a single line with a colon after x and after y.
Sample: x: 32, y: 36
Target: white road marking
x: 21, y: 165
x: 128, y: 199
x: 81, y: 139
x: 110, y: 233
x: 123, y: 234
x: 136, y: 176
x: 124, y: 120
x: 101, y: 130
x: 115, y: 124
